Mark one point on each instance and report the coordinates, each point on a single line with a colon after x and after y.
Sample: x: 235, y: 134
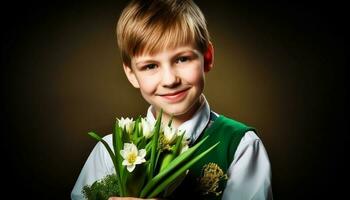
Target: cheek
x: 147, y: 85
x: 194, y: 76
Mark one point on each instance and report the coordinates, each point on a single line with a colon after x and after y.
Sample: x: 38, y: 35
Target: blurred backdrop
x: 278, y: 67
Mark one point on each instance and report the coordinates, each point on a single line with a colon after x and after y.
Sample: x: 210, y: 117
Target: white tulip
x: 184, y: 148
x: 185, y: 138
x: 147, y: 128
x: 170, y: 134
x: 126, y: 123
x: 132, y: 156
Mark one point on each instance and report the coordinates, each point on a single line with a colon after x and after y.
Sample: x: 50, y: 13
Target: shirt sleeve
x: 249, y: 175
x: 97, y: 166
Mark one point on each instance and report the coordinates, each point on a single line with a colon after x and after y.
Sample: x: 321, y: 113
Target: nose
x: 170, y: 77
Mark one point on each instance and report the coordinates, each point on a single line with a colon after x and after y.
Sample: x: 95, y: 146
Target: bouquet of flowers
x: 150, y: 160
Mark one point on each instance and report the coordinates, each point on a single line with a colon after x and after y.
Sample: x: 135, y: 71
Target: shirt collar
x: 194, y: 126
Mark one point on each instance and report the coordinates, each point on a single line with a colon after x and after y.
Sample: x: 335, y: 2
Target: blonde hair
x: 147, y: 26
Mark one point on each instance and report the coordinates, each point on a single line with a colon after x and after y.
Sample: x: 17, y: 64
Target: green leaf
x: 112, y: 156
x: 157, y: 159
x: 154, y: 147
x: 95, y: 136
x: 136, y: 130
x: 177, y: 162
x: 171, y: 120
x: 141, y: 143
x: 178, y: 144
x: 148, y: 150
x: 171, y: 187
x: 120, y: 170
x: 164, y: 184
x: 166, y: 160
x: 135, y: 180
x: 125, y: 135
x: 102, y: 189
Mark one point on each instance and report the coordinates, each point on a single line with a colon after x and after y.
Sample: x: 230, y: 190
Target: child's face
x: 172, y: 79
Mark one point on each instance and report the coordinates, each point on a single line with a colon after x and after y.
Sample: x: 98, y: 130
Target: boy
x: 166, y: 53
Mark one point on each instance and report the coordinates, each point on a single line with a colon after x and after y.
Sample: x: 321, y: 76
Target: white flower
x: 182, y: 132
x: 132, y: 156
x: 184, y: 148
x: 161, y: 128
x: 185, y: 138
x: 170, y: 134
x: 147, y: 128
x: 126, y: 123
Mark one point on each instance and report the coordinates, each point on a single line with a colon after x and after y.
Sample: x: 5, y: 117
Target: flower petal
x: 133, y: 149
x: 130, y: 168
x: 139, y: 160
x: 125, y: 162
x: 127, y: 147
x: 184, y: 148
x: 123, y: 153
x: 142, y: 153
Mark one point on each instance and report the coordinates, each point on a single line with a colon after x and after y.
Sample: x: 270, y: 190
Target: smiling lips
x: 175, y: 96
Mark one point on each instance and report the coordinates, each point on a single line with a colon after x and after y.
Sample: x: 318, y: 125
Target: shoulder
x: 100, y: 147
x: 236, y: 132
x: 251, y: 144
x: 233, y: 125
x: 251, y: 138
x: 100, y: 154
x: 108, y: 138
x: 99, y: 150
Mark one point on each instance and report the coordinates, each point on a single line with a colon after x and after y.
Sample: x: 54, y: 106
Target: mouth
x: 174, y: 93
x: 175, y: 96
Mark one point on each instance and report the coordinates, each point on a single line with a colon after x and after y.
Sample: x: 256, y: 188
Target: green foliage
x: 102, y: 189
x: 158, y: 172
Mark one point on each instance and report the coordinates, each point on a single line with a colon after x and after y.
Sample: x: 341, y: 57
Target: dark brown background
x: 278, y: 67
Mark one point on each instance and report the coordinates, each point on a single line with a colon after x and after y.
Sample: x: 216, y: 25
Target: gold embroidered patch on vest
x: 210, y: 179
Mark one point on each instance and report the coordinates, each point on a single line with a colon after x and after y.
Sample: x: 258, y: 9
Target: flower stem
x: 180, y: 171
x: 111, y: 154
x: 178, y: 162
x: 151, y: 167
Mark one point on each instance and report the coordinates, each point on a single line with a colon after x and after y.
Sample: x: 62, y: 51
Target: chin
x: 174, y: 112
x: 178, y: 110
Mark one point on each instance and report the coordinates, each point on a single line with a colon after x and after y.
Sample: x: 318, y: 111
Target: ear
x: 130, y: 74
x: 209, y: 58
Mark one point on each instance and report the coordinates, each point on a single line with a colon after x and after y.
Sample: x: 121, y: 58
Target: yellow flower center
x: 132, y: 157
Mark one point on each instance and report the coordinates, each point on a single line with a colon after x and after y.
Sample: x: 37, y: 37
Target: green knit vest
x: 196, y: 186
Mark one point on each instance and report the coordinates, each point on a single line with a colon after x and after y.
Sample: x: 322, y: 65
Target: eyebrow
x: 172, y: 56
x: 184, y: 52
x: 145, y: 62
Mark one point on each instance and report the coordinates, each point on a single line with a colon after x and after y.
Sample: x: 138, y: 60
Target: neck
x: 181, y: 118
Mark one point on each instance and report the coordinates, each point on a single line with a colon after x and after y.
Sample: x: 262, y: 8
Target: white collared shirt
x: 249, y: 174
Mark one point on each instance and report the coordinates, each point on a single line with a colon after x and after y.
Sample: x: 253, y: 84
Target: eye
x: 182, y: 59
x: 149, y: 67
